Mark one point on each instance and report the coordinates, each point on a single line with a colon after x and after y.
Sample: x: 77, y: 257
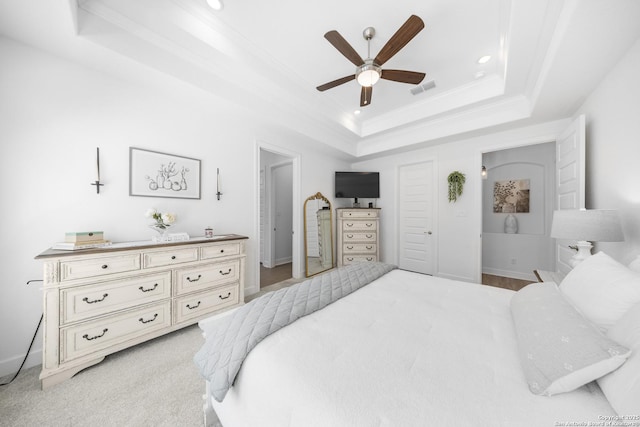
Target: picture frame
x: 156, y: 174
x: 511, y: 196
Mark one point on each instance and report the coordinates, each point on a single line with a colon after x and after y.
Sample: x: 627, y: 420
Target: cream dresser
x: 99, y: 301
x: 358, y: 235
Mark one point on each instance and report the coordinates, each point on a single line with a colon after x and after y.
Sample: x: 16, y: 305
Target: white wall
x: 613, y: 151
x: 54, y: 115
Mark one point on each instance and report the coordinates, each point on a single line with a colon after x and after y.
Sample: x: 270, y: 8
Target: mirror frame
x: 317, y: 196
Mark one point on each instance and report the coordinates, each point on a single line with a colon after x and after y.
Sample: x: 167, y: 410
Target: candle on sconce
x: 218, y: 192
x: 97, y: 181
x: 98, y: 164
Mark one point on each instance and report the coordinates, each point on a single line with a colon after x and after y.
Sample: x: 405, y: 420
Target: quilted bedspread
x: 231, y: 340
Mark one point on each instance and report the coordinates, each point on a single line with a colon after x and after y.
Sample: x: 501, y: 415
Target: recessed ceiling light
x: 356, y: 112
x: 484, y: 59
x: 215, y: 4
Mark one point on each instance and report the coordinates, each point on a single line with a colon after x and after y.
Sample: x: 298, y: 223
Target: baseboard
x: 283, y: 261
x: 510, y: 274
x: 9, y: 367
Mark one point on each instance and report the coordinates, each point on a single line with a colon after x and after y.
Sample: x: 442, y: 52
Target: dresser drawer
x: 94, y: 267
x: 359, y: 248
x: 195, y: 305
x: 207, y: 276
x: 219, y: 251
x: 94, y: 336
x: 91, y: 300
x: 357, y: 213
x: 176, y: 256
x: 359, y: 225
x: 359, y: 237
x: 350, y: 259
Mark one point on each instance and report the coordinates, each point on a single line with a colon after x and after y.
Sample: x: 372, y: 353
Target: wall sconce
x: 97, y: 181
x: 218, y: 193
x: 483, y: 172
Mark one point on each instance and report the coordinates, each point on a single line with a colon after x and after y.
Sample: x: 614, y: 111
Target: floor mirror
x: 318, y: 235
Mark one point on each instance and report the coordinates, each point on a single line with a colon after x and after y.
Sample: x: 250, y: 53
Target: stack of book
x: 82, y: 240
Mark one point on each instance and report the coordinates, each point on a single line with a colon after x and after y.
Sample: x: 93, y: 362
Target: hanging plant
x: 456, y: 183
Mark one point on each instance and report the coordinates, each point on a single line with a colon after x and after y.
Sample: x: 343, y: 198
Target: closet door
x: 415, y: 210
x: 570, y: 181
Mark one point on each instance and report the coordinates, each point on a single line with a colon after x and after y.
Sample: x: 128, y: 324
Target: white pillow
x: 622, y: 386
x: 559, y: 349
x: 602, y: 289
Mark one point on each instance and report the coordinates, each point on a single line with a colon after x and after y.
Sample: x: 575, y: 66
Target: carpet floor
x: 152, y: 384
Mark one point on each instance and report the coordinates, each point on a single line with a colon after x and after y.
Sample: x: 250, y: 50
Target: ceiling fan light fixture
x: 368, y: 74
x: 215, y: 4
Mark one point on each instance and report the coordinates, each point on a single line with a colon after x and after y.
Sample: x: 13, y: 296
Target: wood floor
x: 269, y: 276
x: 504, y: 282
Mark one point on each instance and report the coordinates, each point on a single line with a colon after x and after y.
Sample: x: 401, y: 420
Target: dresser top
x: 144, y: 244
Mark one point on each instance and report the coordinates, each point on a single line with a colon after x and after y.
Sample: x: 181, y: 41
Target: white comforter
x: 406, y: 350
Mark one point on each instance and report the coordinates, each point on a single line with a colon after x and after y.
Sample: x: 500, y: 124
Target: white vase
x: 162, y: 230
x: 510, y: 224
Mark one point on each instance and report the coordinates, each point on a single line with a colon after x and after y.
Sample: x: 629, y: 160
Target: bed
x: 405, y: 350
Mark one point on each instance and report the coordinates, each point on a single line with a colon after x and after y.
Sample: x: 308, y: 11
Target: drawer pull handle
x: 349, y: 259
x: 194, y: 280
x: 221, y: 251
x: 369, y: 225
x: 173, y: 257
x: 224, y: 274
x: 104, y: 266
x: 350, y: 236
x: 227, y: 297
x: 86, y: 299
x: 349, y: 247
x: 369, y: 236
x: 141, y: 320
x: 88, y: 338
x: 148, y: 290
x: 348, y: 225
x: 369, y: 258
x: 369, y: 247
x: 195, y: 306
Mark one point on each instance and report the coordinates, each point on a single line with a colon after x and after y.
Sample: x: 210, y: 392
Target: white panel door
x: 416, y: 245
x: 570, y: 181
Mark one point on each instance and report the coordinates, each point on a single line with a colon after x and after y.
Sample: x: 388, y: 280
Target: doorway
x: 556, y: 174
x: 276, y: 217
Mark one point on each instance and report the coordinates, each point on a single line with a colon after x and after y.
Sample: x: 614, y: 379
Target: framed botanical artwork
x: 511, y: 196
x: 154, y: 174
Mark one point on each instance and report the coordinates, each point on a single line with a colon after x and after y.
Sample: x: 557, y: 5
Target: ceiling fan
x: 369, y: 71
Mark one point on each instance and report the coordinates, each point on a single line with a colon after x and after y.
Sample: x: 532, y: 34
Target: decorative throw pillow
x: 559, y: 349
x: 622, y: 386
x: 602, y: 289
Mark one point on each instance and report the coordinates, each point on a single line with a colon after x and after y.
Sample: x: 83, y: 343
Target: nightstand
x: 549, y: 276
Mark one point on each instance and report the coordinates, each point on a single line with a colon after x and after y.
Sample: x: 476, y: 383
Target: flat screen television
x: 354, y: 185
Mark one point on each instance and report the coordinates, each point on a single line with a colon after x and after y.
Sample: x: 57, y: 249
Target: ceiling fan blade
x: 402, y: 76
x: 335, y: 83
x: 365, y: 95
x: 408, y: 31
x: 344, y: 47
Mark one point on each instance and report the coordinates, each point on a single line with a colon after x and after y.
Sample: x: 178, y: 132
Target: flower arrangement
x: 162, y: 220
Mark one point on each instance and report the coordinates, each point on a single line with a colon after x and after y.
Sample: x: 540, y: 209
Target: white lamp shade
x: 593, y: 225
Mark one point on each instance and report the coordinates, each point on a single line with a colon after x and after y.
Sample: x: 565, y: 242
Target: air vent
x: 423, y: 87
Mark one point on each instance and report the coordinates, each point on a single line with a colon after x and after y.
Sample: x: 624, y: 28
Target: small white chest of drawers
x: 99, y: 301
x: 358, y: 235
